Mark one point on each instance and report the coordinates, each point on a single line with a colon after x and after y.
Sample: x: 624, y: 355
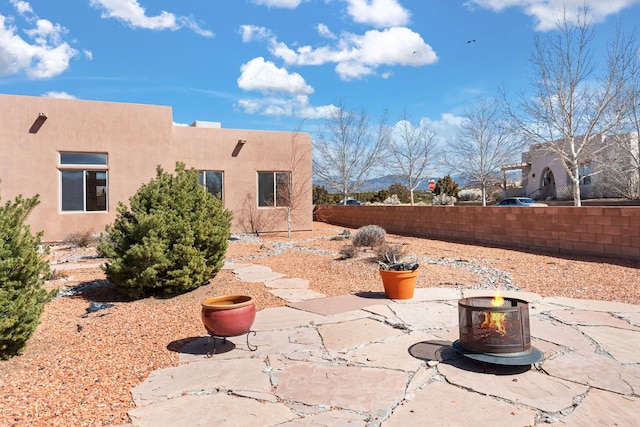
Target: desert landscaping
x: 93, y: 345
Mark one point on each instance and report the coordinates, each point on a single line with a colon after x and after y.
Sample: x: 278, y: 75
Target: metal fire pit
x: 494, y: 333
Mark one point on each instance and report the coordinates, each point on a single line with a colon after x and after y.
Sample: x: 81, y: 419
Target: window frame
x: 584, y: 169
x: 274, y: 191
x: 85, y: 168
x: 202, y: 179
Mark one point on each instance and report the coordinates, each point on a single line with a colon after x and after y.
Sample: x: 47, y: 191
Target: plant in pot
x: 398, y: 276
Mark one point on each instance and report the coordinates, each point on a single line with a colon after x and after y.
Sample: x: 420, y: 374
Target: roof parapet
x: 205, y: 124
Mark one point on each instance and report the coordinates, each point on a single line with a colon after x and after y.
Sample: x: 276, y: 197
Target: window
x: 83, y: 187
x: 584, y: 174
x: 212, y: 181
x: 273, y: 188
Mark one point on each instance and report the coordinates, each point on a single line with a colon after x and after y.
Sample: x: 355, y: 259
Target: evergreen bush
x: 171, y: 240
x: 22, y: 271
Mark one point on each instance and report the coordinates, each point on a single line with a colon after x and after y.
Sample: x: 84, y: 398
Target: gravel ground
x: 93, y: 346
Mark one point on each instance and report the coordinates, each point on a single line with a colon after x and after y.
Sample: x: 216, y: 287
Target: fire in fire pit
x: 496, y: 330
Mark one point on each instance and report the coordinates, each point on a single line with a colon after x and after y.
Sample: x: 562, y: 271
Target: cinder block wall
x: 612, y: 232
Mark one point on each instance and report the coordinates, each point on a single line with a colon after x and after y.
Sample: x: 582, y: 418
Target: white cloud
x: 251, y: 33
x: 61, y: 95
x: 359, y: 55
x: 283, y: 4
x: 325, y: 32
x: 22, y: 7
x: 265, y: 77
x: 130, y: 12
x: 547, y: 12
x: 43, y: 54
x: 446, y: 127
x: 379, y: 13
x: 297, y: 106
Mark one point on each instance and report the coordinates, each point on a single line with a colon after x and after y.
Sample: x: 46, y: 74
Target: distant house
x: 610, y: 172
x: 83, y: 157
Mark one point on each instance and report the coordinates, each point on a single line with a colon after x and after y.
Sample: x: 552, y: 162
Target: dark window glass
x: 283, y: 188
x: 274, y: 188
x: 96, y: 199
x: 266, y: 189
x: 213, y: 182
x: 83, y: 159
x: 72, y: 191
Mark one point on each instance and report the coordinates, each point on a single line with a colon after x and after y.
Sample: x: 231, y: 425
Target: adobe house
x: 610, y: 172
x: 83, y: 157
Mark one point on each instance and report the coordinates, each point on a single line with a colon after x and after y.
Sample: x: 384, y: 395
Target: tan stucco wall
x: 136, y: 138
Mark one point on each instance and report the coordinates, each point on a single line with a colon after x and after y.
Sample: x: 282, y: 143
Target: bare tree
x: 252, y: 219
x: 484, y: 143
x: 347, y: 149
x: 575, y: 103
x: 626, y: 172
x: 411, y: 150
x: 620, y: 175
x: 294, y: 191
x: 284, y: 195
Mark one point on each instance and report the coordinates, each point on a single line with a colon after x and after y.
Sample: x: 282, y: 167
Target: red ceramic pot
x: 229, y: 315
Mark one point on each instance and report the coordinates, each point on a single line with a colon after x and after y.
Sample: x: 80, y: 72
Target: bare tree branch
x: 483, y: 145
x: 575, y: 104
x: 411, y: 150
x: 347, y: 149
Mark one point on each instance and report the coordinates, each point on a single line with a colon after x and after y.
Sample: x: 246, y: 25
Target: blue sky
x: 272, y: 64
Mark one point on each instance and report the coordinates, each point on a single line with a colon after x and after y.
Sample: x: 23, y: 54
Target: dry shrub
x: 80, y: 239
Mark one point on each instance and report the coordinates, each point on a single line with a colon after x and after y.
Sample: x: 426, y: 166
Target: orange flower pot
x: 399, y: 284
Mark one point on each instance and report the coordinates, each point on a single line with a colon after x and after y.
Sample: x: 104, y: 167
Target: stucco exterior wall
x: 612, y: 232
x: 137, y: 138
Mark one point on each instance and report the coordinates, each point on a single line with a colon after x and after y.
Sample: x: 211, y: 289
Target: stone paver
x: 561, y: 334
x: 533, y: 389
x: 594, y: 305
x: 595, y: 370
x: 591, y: 318
x: 287, y: 283
x: 340, y: 304
x: 433, y: 315
x: 282, y: 318
x: 295, y: 295
x: 391, y: 353
x: 239, y: 375
x: 601, y: 408
x: 620, y: 343
x: 349, y: 387
x: 366, y: 361
x: 342, y: 336
x: 212, y: 410
x: 445, y: 405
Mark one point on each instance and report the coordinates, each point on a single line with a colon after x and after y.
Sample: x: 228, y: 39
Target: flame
x: 495, y: 321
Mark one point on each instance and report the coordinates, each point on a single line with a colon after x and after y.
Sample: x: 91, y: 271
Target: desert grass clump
x: 80, y: 239
x: 349, y: 251
x: 369, y: 235
x: 388, y: 252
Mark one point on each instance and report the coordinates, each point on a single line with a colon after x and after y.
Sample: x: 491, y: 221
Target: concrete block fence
x: 612, y: 232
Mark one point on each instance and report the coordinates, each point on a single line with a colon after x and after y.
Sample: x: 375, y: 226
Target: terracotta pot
x: 229, y: 315
x: 399, y: 284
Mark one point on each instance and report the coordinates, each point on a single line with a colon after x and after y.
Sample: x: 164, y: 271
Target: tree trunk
x: 576, y: 189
